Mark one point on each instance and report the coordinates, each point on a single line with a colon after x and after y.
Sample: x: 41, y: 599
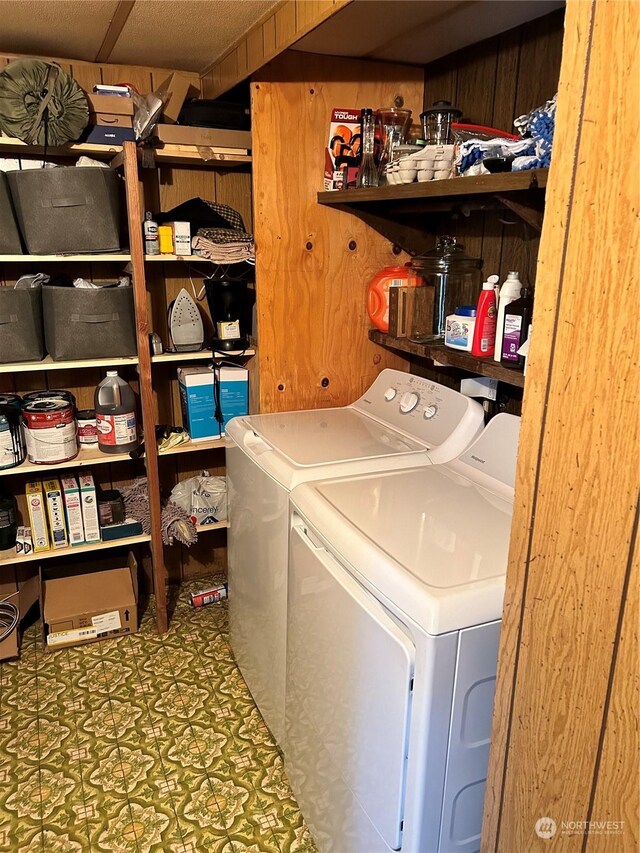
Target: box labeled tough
x: 72, y: 509
x: 84, y: 603
x: 197, y: 398
x: 343, y: 148
x: 89, y: 504
x: 37, y: 515
x: 55, y: 513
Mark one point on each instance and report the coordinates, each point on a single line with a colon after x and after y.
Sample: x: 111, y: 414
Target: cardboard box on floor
x: 20, y: 586
x: 83, y: 602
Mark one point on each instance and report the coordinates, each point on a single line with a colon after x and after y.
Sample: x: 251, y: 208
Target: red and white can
x: 49, y: 431
x: 209, y: 596
x: 87, y: 428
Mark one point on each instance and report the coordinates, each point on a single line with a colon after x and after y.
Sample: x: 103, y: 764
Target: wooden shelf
x: 10, y: 557
x: 48, y: 364
x: 190, y: 155
x: 533, y: 179
x: 16, y: 146
x: 218, y: 525
x: 194, y: 446
x: 451, y: 358
x: 115, y: 257
x: 87, y: 456
x: 204, y: 355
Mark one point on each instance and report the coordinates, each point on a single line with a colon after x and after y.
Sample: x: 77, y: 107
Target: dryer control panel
x: 440, y: 417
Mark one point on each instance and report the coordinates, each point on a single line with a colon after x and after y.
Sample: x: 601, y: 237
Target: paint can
x: 209, y: 596
x: 49, y: 431
x: 87, y: 428
x: 11, y: 400
x: 50, y: 394
x: 12, y: 447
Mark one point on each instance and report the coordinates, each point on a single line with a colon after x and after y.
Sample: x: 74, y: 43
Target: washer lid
x: 325, y: 436
x: 434, y: 543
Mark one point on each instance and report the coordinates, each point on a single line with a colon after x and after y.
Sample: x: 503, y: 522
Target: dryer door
x: 348, y: 700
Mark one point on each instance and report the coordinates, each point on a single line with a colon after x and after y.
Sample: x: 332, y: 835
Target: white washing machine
x: 396, y: 582
x: 401, y: 421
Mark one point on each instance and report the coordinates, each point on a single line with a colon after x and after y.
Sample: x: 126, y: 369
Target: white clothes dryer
x: 396, y: 582
x: 401, y: 421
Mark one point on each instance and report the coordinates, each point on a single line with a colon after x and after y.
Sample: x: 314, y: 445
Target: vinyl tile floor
x: 142, y: 743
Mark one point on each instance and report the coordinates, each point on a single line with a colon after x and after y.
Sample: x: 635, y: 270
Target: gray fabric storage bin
x: 86, y: 323
x: 10, y: 243
x: 21, y: 337
x: 67, y: 209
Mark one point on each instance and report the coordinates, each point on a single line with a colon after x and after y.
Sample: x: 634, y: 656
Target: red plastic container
x: 378, y: 292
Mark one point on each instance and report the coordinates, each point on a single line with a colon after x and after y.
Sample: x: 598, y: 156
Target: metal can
x: 49, y: 431
x: 11, y: 400
x: 50, y: 394
x: 12, y: 447
x: 87, y: 427
x: 209, y: 596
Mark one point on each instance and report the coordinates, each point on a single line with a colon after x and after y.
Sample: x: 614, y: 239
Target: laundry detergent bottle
x: 509, y: 292
x: 115, y: 405
x: 484, y: 334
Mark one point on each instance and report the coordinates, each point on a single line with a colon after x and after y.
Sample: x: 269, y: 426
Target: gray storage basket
x: 86, y: 323
x: 21, y: 325
x: 10, y: 243
x: 67, y: 209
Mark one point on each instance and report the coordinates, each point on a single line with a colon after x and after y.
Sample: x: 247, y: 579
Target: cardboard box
x: 179, y: 88
x: 181, y: 238
x: 89, y: 502
x: 110, y: 104
x: 22, y: 584
x: 197, y: 399
x: 55, y: 513
x: 37, y: 515
x: 110, y: 120
x: 211, y: 137
x: 72, y: 509
x: 342, y: 154
x: 83, y: 606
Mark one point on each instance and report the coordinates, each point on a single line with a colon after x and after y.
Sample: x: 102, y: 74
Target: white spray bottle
x: 509, y: 292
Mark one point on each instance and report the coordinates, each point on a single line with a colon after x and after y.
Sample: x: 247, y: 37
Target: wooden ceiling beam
x: 116, y: 25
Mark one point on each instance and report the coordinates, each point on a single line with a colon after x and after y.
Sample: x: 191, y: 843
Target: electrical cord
x: 9, y: 617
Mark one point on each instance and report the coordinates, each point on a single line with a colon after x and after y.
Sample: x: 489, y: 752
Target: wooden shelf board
x: 87, y: 456
x: 10, y: 557
x: 49, y: 364
x: 204, y: 355
x: 190, y: 155
x: 451, y: 358
x: 193, y: 446
x: 218, y: 525
x: 16, y: 146
x: 115, y: 257
x: 450, y: 188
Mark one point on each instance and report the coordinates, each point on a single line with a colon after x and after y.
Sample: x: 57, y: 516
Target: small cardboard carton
x: 178, y: 88
x: 197, y: 393
x: 55, y: 512
x: 110, y: 104
x: 89, y: 502
x: 208, y: 137
x: 73, y: 509
x: 37, y: 515
x: 82, y: 605
x: 110, y: 120
x: 342, y: 154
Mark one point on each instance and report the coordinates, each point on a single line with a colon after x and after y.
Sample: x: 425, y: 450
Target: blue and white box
x: 197, y: 399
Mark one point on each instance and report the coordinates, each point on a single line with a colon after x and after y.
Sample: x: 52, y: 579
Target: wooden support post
x: 135, y: 217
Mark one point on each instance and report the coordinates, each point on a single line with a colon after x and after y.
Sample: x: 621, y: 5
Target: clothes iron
x: 185, y: 323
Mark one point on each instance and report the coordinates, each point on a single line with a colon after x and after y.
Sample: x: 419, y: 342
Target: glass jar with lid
x: 456, y: 279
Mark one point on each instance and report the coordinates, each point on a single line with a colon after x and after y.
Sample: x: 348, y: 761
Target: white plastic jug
x: 115, y: 405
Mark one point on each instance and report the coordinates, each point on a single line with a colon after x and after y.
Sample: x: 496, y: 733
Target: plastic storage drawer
x: 67, y: 209
x: 86, y: 323
x: 9, y: 235
x: 21, y: 325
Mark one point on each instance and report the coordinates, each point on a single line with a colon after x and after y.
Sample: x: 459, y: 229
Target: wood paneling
x: 314, y: 264
x: 270, y: 36
x: 562, y: 669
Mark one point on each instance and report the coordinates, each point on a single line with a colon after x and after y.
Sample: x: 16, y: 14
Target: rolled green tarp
x: 40, y: 104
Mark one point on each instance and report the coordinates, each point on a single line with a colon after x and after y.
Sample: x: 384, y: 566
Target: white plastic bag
x: 203, y: 497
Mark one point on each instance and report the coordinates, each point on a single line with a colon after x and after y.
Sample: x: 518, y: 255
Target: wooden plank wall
x: 162, y: 189
x: 314, y: 263
x: 283, y: 25
x: 565, y: 733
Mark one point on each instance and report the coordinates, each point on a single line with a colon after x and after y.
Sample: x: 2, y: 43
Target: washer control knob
x: 389, y: 394
x: 430, y: 412
x: 409, y: 401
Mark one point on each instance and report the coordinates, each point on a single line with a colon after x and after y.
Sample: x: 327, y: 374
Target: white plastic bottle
x: 151, y: 241
x: 115, y: 405
x: 509, y: 292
